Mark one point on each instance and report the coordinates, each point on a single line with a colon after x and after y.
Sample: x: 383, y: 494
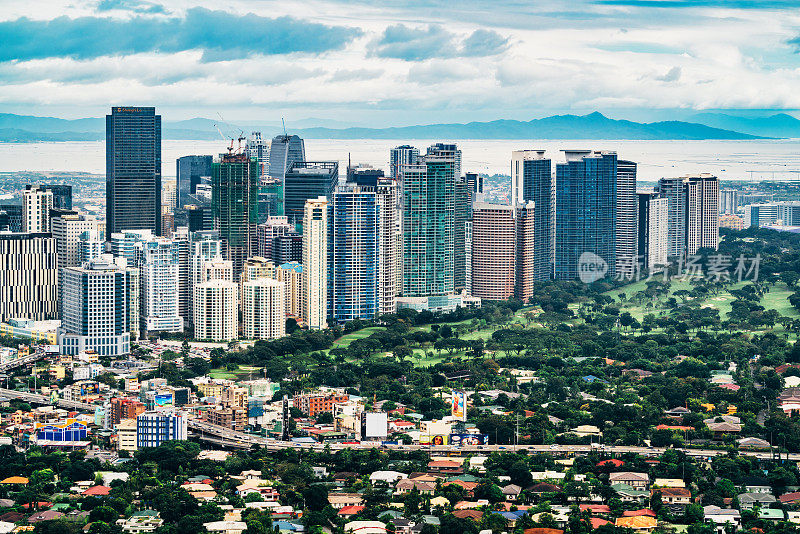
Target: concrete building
x: 69, y: 230
x: 203, y: 247
x: 315, y: 263
x: 216, y: 310
x: 126, y: 435
x: 692, y: 213
x: 626, y: 216
x: 36, y: 206
x: 760, y: 215
x: 158, y: 264
x: 532, y: 181
x: 503, y: 251
x: 96, y: 307
x: 154, y: 428
x: 263, y: 304
x: 28, y: 277
x: 291, y: 274
x: 652, y: 230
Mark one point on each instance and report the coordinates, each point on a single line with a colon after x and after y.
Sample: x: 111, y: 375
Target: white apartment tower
x: 157, y: 260
x: 315, y: 263
x: 263, y: 304
x: 36, y: 206
x: 96, y: 309
x: 69, y: 229
x: 216, y: 310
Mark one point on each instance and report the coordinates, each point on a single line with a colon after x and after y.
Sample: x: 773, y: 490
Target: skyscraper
x: 95, y: 313
x: 691, y: 223
x: 188, y: 172
x: 68, y: 230
x: 353, y: 221
x: 216, y: 312
x: 652, y: 230
x: 284, y: 150
x: 263, y: 303
x: 36, y: 206
x: 315, y: 263
x: 28, y: 277
x: 502, y: 251
x: 626, y: 215
x: 586, y: 201
x: 399, y: 156
x: 133, y: 170
x: 462, y: 214
x: 389, y: 246
x: 257, y: 149
x: 532, y: 181
x: 158, y: 262
x: 728, y: 201
x: 428, y: 222
x: 234, y: 189
x: 306, y: 180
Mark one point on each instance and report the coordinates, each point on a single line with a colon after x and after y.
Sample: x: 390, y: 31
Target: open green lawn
x: 778, y: 299
x: 345, y: 340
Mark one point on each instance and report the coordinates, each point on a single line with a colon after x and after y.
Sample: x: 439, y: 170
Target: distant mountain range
x: 26, y: 128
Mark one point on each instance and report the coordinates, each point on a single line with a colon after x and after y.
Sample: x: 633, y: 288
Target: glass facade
x: 234, y: 200
x: 586, y: 200
x: 353, y: 219
x: 133, y: 170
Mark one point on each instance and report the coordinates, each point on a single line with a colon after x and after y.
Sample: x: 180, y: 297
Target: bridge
x: 19, y: 362
x: 230, y: 438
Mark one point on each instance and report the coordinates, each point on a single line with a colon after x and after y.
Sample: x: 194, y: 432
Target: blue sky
x: 395, y: 63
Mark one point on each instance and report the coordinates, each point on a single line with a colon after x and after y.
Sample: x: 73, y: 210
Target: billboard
x: 69, y: 430
x: 459, y: 409
x: 459, y: 440
x: 162, y: 400
x: 376, y: 425
x: 435, y: 439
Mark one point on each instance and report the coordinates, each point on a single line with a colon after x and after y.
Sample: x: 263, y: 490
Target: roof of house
x: 628, y: 475
x: 756, y: 497
x: 14, y: 480
x: 544, y: 487
x: 440, y: 464
x: 475, y: 515
x: 350, y: 510
x: 637, y: 522
x: 672, y: 492
x: 47, y: 515
x: 512, y: 489
x: 611, y: 461
x: 598, y: 522
x: 793, y: 496
x: 542, y: 530
x: 596, y: 508
x: 639, y: 512
x: 98, y: 491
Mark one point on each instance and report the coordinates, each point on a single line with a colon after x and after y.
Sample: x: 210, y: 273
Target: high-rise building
x: 428, y: 222
x: 94, y: 308
x: 133, y: 170
x: 399, y: 156
x: 626, y: 216
x: 268, y: 231
x: 760, y: 214
x: 586, y: 202
x: 216, y: 310
x: 789, y: 213
x: 532, y: 181
x: 283, y: 152
x: 728, y: 201
x: 36, y: 206
x: 14, y: 214
x: 203, y: 247
x: 256, y: 148
x: 315, y: 263
x: 189, y: 171
x: 652, y: 230
x: 291, y: 274
x: 503, y: 251
x: 364, y: 175
x: 462, y: 214
x: 68, y: 230
x: 235, y: 203
x: 691, y: 223
x: 263, y: 305
x: 154, y: 428
x: 62, y: 195
x: 124, y: 408
x: 158, y: 262
x: 91, y: 245
x: 494, y: 251
x: 353, y: 220
x: 389, y: 246
x: 306, y: 180
x: 28, y: 277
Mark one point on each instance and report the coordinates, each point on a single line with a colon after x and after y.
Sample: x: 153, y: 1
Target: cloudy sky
x: 396, y: 63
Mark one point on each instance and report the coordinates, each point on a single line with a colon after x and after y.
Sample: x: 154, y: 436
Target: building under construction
x: 234, y: 189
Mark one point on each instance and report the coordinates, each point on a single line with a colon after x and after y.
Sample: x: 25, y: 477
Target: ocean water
x: 729, y: 160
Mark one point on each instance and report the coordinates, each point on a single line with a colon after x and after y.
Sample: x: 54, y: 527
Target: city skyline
x: 402, y: 64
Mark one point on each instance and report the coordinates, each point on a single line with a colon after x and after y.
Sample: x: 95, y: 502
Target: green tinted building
x: 234, y: 200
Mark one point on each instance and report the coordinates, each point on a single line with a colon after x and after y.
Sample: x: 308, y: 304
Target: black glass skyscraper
x: 305, y: 180
x: 133, y: 170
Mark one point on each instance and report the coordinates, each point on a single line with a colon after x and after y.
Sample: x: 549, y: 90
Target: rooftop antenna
x: 284, y: 127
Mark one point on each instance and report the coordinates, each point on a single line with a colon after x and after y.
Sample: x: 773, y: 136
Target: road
x: 229, y: 438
